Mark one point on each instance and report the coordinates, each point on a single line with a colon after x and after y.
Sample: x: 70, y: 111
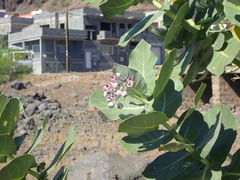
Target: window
x: 107, y: 50
x: 105, y: 26
x: 122, y: 26
x: 45, y: 26
x: 61, y: 48
x: 62, y: 26
x: 36, y: 48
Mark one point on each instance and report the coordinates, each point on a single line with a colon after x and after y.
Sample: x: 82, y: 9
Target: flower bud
x: 119, y: 93
x: 110, y: 104
x: 124, y: 94
x: 120, y: 105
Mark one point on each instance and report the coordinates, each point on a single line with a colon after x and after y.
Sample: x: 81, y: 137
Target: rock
x: 57, y: 85
x: 30, y: 109
x: 54, y: 105
x: 107, y: 166
x: 17, y: 85
x: 53, y: 129
x: 42, y: 107
x: 74, y: 95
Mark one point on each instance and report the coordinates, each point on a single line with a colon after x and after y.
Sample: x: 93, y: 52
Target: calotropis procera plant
x: 19, y: 166
x: 202, y: 37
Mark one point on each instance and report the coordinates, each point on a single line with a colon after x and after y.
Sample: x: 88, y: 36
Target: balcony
x: 107, y: 35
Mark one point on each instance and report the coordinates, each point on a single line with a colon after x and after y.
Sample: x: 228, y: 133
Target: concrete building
x: 92, y: 40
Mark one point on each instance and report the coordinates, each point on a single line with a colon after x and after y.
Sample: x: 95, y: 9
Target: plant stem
x: 181, y: 139
x: 11, y: 157
x: 142, y: 99
x: 156, y: 4
x: 33, y: 173
x: 231, y: 174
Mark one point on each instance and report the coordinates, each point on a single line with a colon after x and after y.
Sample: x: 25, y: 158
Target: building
x: 92, y: 40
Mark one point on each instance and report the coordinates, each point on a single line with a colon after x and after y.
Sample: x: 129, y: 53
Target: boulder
x: 108, y: 166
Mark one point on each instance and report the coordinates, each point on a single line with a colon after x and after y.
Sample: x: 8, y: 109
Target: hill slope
x: 26, y: 6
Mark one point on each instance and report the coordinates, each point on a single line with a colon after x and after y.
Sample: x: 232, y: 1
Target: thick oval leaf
x: 226, y: 137
x: 169, y: 100
x: 131, y: 106
x: 218, y: 44
x: 18, y: 168
x: 165, y: 74
x: 139, y: 27
x: 114, y: 7
x: 9, y: 116
x: 8, y: 146
x: 221, y: 133
x: 142, y: 59
x: 232, y: 9
x: 191, y: 125
x: 146, y: 142
x: 168, y: 165
x: 62, y: 151
x: 222, y: 58
x: 175, y: 27
x: 141, y: 124
x: 139, y: 87
x: 230, y: 172
x: 3, y: 102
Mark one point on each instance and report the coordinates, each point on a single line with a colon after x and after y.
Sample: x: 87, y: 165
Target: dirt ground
x: 93, y: 134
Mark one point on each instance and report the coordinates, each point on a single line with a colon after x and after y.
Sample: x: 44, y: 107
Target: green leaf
x: 62, y: 151
x: 114, y: 7
x: 165, y: 74
x: 146, y: 142
x: 226, y: 136
x: 141, y: 124
x: 218, y: 43
x: 236, y: 62
x: 93, y: 2
x: 3, y: 102
x: 205, y: 174
x: 191, y: 125
x: 7, y: 147
x: 139, y: 27
x: 175, y: 27
x: 168, y: 165
x: 9, y: 116
x: 222, y: 58
x: 174, y: 146
x: 18, y: 168
x: 142, y: 59
x: 39, y: 136
x: 131, y: 106
x: 199, y: 94
x: 230, y: 172
x: 218, y: 140
x: 232, y: 9
x: 139, y: 87
x: 19, y: 140
x: 169, y: 100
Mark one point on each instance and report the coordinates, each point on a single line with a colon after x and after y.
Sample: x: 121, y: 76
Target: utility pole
x: 67, y: 43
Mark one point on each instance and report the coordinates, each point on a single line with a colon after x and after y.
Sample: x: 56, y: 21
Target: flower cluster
x: 117, y: 88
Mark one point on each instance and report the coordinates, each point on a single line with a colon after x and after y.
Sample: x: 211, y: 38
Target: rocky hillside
x: 26, y: 6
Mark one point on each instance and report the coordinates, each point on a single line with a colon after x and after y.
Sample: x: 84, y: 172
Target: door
x: 88, y: 60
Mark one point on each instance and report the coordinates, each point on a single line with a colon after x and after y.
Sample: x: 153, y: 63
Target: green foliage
x: 18, y: 167
x: 197, y: 43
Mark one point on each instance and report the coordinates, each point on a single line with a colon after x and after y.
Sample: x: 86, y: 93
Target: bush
x: 12, y: 70
x: 18, y: 166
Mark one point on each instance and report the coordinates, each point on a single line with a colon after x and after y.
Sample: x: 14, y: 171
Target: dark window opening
x: 62, y: 26
x: 122, y: 26
x: 45, y: 26
x: 129, y: 26
x: 105, y: 26
x: 90, y: 27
